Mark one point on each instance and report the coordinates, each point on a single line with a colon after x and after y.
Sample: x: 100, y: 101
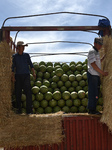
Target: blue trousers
x: 93, y: 90
x: 23, y: 82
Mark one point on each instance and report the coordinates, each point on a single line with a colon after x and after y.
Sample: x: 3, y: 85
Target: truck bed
x: 82, y: 132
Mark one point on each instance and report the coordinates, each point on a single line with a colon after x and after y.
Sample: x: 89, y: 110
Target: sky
x: 12, y: 8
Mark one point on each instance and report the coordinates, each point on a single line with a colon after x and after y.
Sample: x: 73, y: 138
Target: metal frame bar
x: 53, y: 28
x: 49, y: 54
x: 59, y: 42
x: 53, y: 54
x: 5, y: 31
x: 53, y: 14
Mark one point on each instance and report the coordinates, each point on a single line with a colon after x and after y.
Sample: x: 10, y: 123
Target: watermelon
x: 60, y: 84
x: 48, y: 110
x: 79, y: 67
x: 23, y: 97
x: 39, y: 96
x: 63, y: 88
x: 84, y: 75
x: 46, y: 83
x: 71, y: 89
x: 57, y: 95
x: 42, y: 63
x: 36, y: 104
x: 43, y: 89
x: 69, y: 102
x: 72, y: 77
x: 65, y: 67
x: 68, y: 84
x: 82, y: 109
x: 82, y: 83
x: 64, y: 77
x: 52, y: 103
x: 49, y: 69
x: 73, y: 109
x: 66, y: 95
x: 36, y: 66
x: 74, y: 95
x: 78, y: 77
x: 48, y: 96
x: 72, y: 63
x: 81, y: 94
x: 75, y: 83
x: 56, y: 109
x: 66, y: 109
x: 55, y: 78
x: 84, y: 101
x: 59, y: 72
x: 77, y: 102
x: 39, y: 110
x: 44, y: 103
x: 49, y: 64
x: 72, y: 67
x: 53, y: 85
x: 42, y: 68
x: 46, y: 75
x: 38, y: 83
x: 61, y: 103
x: 33, y: 97
x: 35, y: 89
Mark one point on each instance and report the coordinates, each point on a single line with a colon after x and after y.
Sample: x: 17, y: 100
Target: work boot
x: 94, y: 112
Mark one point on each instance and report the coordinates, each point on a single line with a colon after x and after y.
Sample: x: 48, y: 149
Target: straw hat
x: 21, y: 43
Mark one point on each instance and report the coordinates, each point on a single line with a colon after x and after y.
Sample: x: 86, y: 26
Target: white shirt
x: 93, y: 56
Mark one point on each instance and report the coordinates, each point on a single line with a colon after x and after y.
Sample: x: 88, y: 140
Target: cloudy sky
x: 12, y: 8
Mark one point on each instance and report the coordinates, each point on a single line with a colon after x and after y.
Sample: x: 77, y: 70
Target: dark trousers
x: 23, y: 82
x: 93, y: 90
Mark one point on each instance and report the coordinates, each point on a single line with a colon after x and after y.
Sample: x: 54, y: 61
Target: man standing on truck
x: 93, y: 74
x: 21, y: 76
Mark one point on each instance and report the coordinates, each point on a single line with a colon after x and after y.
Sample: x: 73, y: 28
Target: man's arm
x: 34, y: 74
x: 95, y: 67
x: 103, y: 57
x: 31, y: 66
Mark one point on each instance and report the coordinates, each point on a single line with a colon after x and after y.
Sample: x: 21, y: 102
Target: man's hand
x: 95, y: 67
x: 105, y: 73
x: 34, y: 74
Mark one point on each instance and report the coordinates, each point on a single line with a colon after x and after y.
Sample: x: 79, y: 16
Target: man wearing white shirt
x: 94, y: 71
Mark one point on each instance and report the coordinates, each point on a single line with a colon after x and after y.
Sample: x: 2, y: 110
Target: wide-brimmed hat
x: 21, y: 43
x: 98, y: 40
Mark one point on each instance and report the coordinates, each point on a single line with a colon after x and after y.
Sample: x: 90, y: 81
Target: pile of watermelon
x: 59, y: 87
